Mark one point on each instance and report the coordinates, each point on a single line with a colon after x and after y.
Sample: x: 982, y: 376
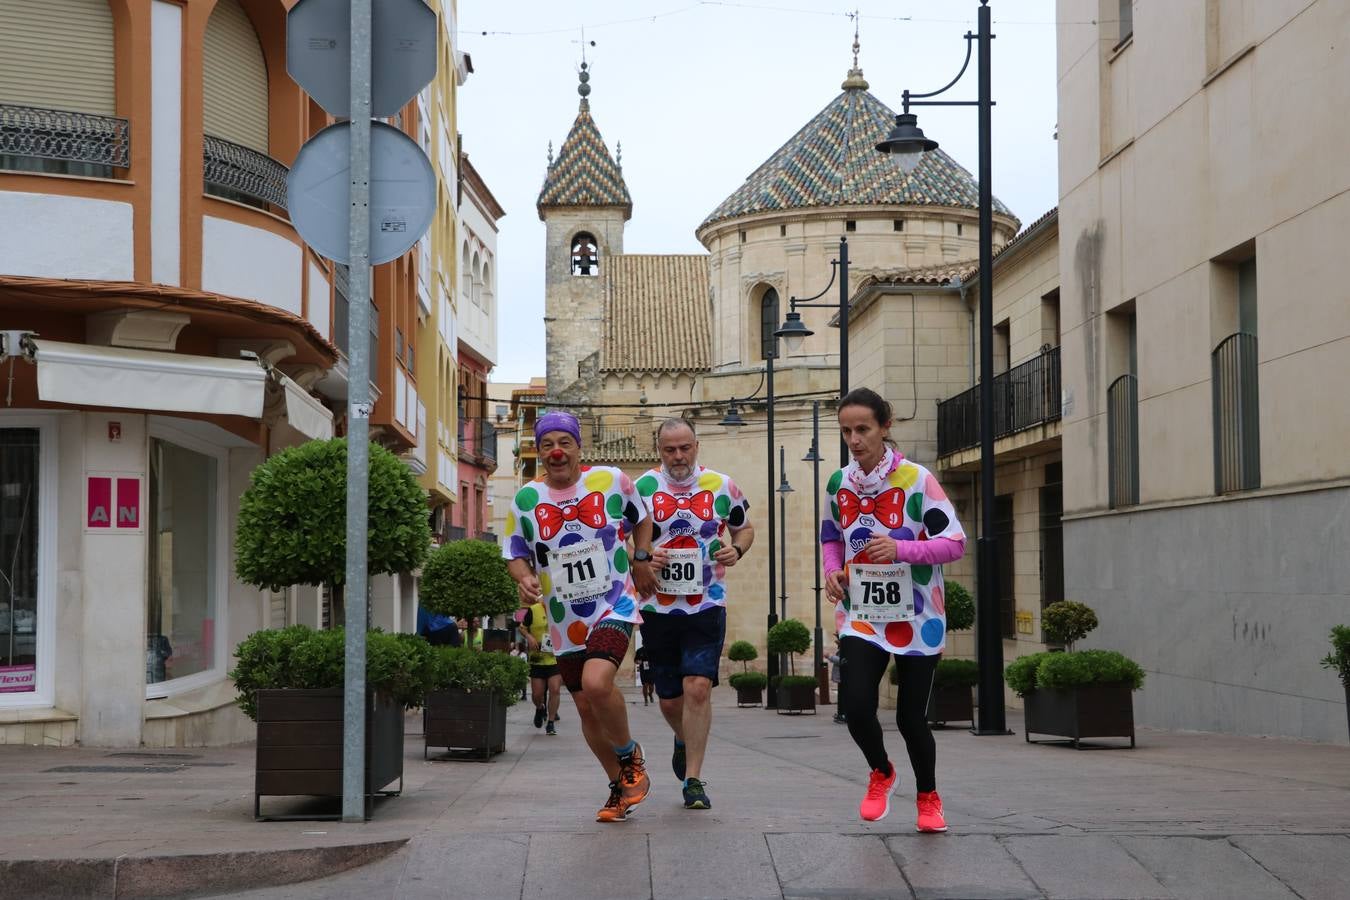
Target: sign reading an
x: 113, y: 503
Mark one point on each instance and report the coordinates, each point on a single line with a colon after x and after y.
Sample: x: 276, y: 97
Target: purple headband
x: 557, y: 421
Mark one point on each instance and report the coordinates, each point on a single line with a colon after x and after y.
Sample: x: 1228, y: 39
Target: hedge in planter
x: 1083, y: 694
x: 293, y: 520
x: 796, y: 693
x: 466, y: 710
x: 1339, y: 659
x: 749, y: 687
x: 290, y: 682
x: 468, y: 579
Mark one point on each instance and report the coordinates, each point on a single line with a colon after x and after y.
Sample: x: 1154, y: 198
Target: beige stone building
x: 635, y: 338
x: 1207, y: 350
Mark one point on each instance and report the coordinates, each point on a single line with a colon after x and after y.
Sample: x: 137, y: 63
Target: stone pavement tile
x: 67, y: 878
x: 611, y: 864
x: 1084, y: 867
x: 836, y: 865
x: 1317, y: 867
x: 710, y: 865
x: 953, y: 866
x: 1203, y: 868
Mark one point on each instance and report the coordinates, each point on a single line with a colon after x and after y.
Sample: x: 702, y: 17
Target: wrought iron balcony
x: 1024, y: 396
x: 34, y: 139
x: 237, y: 173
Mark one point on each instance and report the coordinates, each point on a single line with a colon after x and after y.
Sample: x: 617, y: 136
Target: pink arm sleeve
x: 933, y: 552
x: 832, y: 555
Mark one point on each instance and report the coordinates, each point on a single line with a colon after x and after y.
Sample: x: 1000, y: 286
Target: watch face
x: 642, y: 556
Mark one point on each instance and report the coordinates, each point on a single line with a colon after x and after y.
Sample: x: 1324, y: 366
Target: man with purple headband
x: 565, y: 545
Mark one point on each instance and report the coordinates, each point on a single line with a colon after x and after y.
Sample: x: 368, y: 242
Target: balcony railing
x: 237, y: 173
x: 486, y: 440
x: 1237, y: 434
x: 68, y: 143
x: 1024, y: 396
x: 477, y: 439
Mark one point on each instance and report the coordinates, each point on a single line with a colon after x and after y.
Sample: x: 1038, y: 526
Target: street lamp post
x: 908, y: 143
x: 783, y: 490
x: 813, y: 457
x: 793, y: 330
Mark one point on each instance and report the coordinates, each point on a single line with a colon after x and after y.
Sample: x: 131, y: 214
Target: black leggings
x: 865, y: 665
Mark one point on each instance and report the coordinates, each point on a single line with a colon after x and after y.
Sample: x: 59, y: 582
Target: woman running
x: 888, y: 531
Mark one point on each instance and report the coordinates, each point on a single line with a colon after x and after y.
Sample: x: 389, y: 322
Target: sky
x: 701, y: 93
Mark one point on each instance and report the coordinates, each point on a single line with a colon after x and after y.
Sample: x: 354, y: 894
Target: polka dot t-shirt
x: 602, y: 506
x: 910, y: 505
x: 699, y: 513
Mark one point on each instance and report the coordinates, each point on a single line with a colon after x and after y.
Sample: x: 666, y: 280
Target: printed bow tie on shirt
x: 589, y: 509
x: 888, y: 508
x: 664, y: 505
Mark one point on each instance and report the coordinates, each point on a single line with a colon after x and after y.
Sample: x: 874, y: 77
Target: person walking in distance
x: 888, y: 530
x: 573, y: 524
x: 699, y: 529
x: 644, y: 667
x: 545, y: 681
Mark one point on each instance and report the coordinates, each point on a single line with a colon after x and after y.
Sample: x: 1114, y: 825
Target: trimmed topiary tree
x: 1068, y: 621
x: 742, y: 652
x: 293, y: 520
x: 464, y: 579
x: 960, y: 606
x: 791, y: 637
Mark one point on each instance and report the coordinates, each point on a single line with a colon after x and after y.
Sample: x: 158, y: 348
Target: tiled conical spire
x: 584, y: 173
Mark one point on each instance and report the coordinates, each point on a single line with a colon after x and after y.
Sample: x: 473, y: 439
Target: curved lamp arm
x: 806, y: 301
x: 970, y: 43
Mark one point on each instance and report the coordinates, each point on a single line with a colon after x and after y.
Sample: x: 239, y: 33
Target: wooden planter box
x: 1091, y: 711
x: 951, y: 703
x: 747, y: 696
x: 299, y: 749
x: 463, y: 722
x: 797, y: 699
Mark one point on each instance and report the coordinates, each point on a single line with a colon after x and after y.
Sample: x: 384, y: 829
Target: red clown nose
x: 557, y: 456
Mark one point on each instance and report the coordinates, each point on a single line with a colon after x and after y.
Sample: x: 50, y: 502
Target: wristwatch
x: 642, y: 556
x: 739, y: 552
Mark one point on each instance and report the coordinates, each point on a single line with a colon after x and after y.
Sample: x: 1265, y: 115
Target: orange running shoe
x: 613, y: 810
x: 876, y: 803
x: 633, y: 781
x: 930, y: 813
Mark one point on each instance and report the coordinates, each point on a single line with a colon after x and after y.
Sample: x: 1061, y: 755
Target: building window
x: 1126, y: 21
x: 742, y: 237
x: 585, y: 255
x: 1050, y: 336
x: 181, y: 603
x: 1052, y: 535
x: 1237, y: 410
x: 398, y: 343
x: 19, y: 508
x: 1122, y: 403
x: 782, y: 231
x: 768, y: 323
x: 959, y: 229
x: 850, y: 225
x: 898, y: 225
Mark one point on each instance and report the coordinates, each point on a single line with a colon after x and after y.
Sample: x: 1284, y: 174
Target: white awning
x: 89, y: 375
x: 304, y: 413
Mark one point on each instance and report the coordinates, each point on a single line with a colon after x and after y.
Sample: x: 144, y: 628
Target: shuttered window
x: 234, y: 80
x: 57, y: 54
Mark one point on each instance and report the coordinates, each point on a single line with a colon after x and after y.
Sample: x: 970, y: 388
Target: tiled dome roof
x: 584, y: 174
x: 833, y: 161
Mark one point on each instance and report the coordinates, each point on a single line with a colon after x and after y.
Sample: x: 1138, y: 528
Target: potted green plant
x: 1339, y: 659
x: 749, y: 685
x: 796, y: 693
x: 468, y: 579
x: 1078, y: 694
x: 292, y: 520
x: 465, y: 710
x: 954, y: 678
x: 1067, y: 622
x: 290, y: 681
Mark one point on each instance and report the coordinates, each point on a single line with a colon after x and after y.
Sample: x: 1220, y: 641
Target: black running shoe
x: 550, y: 729
x: 539, y: 715
x: 677, y: 760
x: 695, y: 797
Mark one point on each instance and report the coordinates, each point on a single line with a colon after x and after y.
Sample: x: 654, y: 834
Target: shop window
x: 181, y: 603
x: 19, y: 448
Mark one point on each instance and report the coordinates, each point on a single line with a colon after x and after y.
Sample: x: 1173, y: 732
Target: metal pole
x: 989, y: 650
x: 815, y: 543
x: 358, y: 426
x: 782, y: 545
x: 772, y: 696
x: 843, y: 337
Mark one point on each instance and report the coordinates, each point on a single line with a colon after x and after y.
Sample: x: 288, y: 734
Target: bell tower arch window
x: 585, y: 255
